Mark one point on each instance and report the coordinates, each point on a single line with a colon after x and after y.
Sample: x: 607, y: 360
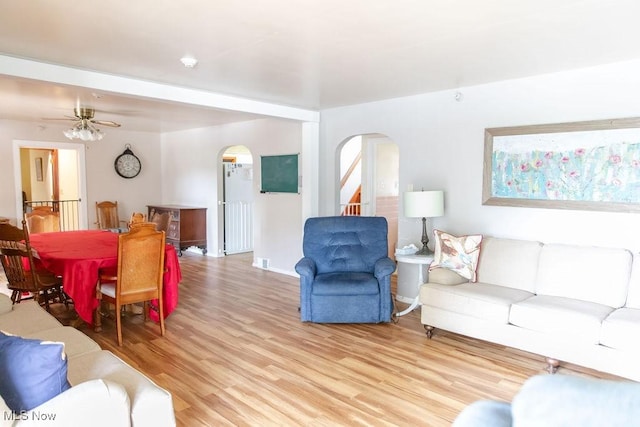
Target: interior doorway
x: 51, y: 173
x: 237, y: 200
x: 369, y: 180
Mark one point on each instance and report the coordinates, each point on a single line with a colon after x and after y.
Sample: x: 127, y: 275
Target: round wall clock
x: 127, y: 165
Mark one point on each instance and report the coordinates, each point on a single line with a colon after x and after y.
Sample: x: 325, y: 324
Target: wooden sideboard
x: 188, y: 226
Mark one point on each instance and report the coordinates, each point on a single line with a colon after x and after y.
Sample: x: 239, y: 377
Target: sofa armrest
x: 384, y: 267
x: 485, y: 413
x: 306, y: 267
x: 96, y: 403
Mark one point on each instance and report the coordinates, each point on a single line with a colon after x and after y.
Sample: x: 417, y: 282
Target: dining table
x: 79, y: 257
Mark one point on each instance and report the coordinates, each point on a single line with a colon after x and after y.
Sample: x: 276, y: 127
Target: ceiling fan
x: 84, y: 128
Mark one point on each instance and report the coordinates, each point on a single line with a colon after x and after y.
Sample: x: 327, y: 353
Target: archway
x: 368, y: 183
x: 237, y: 200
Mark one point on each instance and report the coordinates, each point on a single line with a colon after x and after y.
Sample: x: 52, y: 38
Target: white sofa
x: 569, y: 303
x: 105, y: 390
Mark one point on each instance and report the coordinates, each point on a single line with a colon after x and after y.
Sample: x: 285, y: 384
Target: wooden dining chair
x: 107, y: 215
x: 139, y: 275
x: 138, y: 217
x: 42, y: 221
x: 161, y: 221
x: 23, y: 275
x: 42, y: 208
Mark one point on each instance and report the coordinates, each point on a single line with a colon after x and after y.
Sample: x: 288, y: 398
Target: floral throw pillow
x: 458, y: 254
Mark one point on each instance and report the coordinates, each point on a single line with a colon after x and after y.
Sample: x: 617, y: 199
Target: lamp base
x: 425, y: 240
x: 425, y: 251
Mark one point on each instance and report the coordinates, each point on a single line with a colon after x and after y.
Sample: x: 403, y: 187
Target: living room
x: 440, y: 136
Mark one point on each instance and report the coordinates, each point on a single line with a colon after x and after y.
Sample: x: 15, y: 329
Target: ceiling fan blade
x: 105, y: 123
x: 69, y: 119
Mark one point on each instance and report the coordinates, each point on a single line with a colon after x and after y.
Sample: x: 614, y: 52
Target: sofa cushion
x: 598, y: 275
x: 26, y: 318
x: 5, y: 304
x: 33, y: 371
x: 480, y: 300
x: 446, y: 277
x: 75, y: 342
x: 620, y: 330
x: 509, y: 262
x: 571, y: 318
x: 150, y: 404
x: 458, y: 254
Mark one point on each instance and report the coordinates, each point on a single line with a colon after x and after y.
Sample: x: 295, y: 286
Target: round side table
x: 413, y: 271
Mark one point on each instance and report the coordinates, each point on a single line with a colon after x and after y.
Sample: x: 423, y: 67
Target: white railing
x: 68, y: 210
x: 352, y: 209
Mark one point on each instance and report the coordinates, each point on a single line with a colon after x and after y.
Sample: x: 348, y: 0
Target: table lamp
x: 423, y: 204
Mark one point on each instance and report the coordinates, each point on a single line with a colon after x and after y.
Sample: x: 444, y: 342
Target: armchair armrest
x: 384, y: 267
x: 95, y: 402
x: 306, y: 267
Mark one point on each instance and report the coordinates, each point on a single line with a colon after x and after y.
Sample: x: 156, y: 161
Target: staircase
x: 354, y: 206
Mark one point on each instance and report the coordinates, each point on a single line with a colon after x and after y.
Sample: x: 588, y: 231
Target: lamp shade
x: 423, y: 204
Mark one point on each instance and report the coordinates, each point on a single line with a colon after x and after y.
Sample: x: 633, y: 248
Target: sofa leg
x: 552, y: 365
x: 429, y: 330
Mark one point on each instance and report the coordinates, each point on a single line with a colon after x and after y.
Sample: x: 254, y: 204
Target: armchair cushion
x: 351, y: 284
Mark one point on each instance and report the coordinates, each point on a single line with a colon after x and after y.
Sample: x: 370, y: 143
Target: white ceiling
x: 312, y: 54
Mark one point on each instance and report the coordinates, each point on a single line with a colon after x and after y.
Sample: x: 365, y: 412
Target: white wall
x: 101, y: 179
x: 192, y: 176
x: 441, y: 147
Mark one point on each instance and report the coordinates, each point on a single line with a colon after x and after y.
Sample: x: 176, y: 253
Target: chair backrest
x: 42, y: 221
x: 140, y: 264
x: 345, y: 243
x: 107, y: 215
x: 161, y: 221
x: 15, y: 248
x: 137, y: 217
x: 42, y: 208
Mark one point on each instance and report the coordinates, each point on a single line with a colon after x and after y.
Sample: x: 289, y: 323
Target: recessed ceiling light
x: 189, y: 61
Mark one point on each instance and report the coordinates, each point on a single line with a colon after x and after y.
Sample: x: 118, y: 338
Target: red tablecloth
x: 78, y: 255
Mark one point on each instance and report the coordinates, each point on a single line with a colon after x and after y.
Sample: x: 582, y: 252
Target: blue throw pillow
x: 32, y: 371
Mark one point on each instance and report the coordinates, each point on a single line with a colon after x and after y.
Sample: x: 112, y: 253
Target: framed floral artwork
x: 592, y: 165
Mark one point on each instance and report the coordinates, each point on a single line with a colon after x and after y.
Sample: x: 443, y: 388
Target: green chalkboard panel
x: 279, y: 174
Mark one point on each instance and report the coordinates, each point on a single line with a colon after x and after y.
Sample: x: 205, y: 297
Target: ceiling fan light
x: 85, y: 134
x: 84, y: 129
x: 70, y: 133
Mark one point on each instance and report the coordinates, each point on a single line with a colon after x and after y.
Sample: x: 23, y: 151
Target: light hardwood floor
x: 236, y: 353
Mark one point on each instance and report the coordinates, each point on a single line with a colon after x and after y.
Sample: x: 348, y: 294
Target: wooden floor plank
x: 236, y: 353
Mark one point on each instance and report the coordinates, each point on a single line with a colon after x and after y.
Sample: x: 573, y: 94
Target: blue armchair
x: 345, y: 275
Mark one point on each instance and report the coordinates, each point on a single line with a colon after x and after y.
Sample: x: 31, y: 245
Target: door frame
x: 81, y: 168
